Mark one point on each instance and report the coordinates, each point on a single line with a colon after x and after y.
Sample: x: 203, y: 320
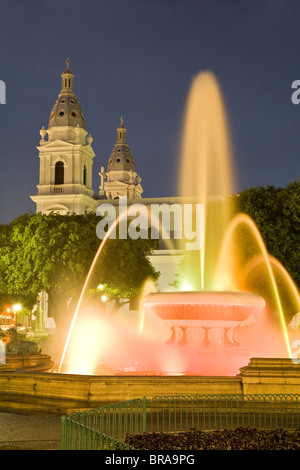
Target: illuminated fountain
x: 225, y: 318
x: 229, y: 305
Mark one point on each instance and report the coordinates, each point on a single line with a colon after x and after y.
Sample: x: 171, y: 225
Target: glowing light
x: 104, y: 298
x: 214, y: 331
x: 238, y: 221
x: 17, y: 307
x: 111, y: 230
x: 186, y: 286
x: 148, y: 287
x: 89, y: 340
x: 206, y: 173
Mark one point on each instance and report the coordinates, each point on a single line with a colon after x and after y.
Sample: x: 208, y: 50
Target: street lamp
x: 16, y: 308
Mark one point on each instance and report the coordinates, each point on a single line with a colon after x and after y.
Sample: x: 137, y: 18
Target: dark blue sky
x: 137, y: 58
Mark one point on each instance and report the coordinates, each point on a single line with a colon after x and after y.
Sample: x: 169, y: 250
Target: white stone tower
x: 121, y: 177
x: 66, y: 157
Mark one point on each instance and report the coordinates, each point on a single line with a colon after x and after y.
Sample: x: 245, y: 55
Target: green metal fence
x: 107, y: 427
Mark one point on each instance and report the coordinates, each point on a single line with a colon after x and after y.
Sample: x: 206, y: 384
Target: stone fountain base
x: 65, y: 393
x: 28, y: 362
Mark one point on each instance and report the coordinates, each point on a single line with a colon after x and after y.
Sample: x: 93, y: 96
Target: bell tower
x: 122, y: 179
x: 66, y: 157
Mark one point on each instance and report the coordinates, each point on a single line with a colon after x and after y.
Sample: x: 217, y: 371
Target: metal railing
x: 105, y: 427
x: 108, y: 426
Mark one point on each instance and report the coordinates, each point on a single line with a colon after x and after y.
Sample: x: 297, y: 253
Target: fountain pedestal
x: 204, y: 319
x: 203, y: 325
x: 203, y: 333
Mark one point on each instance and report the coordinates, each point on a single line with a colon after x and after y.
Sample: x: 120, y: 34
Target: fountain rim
x: 208, y: 297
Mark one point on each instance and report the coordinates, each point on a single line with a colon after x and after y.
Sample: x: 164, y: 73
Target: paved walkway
x: 29, y: 431
x: 40, y: 431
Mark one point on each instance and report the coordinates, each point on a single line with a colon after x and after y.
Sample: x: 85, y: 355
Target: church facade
x: 66, y: 159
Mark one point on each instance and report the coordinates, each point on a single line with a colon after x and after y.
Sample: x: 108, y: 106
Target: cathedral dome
x: 67, y: 111
x: 121, y: 157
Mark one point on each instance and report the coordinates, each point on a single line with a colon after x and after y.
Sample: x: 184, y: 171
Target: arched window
x: 84, y: 175
x: 59, y: 173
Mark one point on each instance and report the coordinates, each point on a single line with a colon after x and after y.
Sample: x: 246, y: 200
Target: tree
x: 275, y: 211
x: 49, y: 253
x: 123, y: 268
x: 53, y: 253
x: 7, y: 245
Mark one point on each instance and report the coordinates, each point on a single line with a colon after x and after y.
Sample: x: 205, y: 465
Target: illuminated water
x: 237, y: 293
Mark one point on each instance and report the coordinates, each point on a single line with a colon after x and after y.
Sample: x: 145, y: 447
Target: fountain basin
x: 204, y: 305
x: 205, y: 318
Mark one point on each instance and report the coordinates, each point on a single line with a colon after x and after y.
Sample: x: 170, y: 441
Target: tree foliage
x: 53, y: 253
x: 124, y: 279
x: 276, y: 212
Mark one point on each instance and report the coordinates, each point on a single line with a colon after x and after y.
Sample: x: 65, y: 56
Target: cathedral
x: 66, y: 160
x: 65, y: 174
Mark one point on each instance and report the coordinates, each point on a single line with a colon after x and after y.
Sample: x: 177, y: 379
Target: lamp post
x: 16, y: 308
x: 39, y: 329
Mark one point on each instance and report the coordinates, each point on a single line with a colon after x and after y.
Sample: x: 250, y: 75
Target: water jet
x: 220, y: 332
x: 215, y: 328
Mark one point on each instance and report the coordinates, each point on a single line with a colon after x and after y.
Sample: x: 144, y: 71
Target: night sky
x: 137, y: 58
